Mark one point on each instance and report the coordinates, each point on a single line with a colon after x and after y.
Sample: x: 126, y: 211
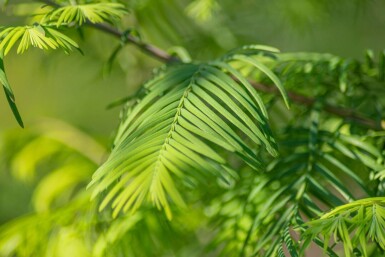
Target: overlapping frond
x: 188, y: 113
x: 355, y: 225
x: 315, y: 171
x: 81, y: 13
x: 323, y: 163
x: 319, y: 168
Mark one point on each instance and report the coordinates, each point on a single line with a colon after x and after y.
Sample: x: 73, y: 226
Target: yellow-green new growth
x: 40, y: 36
x: 80, y: 14
x: 352, y: 224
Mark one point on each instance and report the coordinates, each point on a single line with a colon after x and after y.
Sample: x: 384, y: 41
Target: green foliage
x: 202, y: 10
x: 41, y: 36
x: 65, y: 221
x: 60, y: 170
x: 45, y: 36
x: 319, y: 156
x: 79, y: 14
x: 353, y: 224
x: 8, y: 91
x: 208, y: 159
x: 170, y: 135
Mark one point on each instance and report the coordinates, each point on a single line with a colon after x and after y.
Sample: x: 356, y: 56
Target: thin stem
x: 153, y: 51
x: 362, y: 202
x: 146, y: 48
x: 163, y: 56
x: 345, y: 113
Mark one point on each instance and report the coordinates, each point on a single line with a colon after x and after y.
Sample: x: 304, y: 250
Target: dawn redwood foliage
x: 259, y: 152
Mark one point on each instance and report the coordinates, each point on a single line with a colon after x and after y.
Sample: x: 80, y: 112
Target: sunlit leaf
x: 40, y: 36
x: 79, y: 14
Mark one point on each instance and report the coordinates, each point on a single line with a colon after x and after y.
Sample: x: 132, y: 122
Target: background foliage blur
x: 65, y: 97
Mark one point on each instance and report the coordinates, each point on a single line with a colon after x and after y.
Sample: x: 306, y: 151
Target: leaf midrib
x: 162, y: 150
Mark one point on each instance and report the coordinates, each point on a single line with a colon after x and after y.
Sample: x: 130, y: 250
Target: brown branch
x: 347, y: 114
x: 146, y: 48
x: 162, y: 55
x: 153, y: 51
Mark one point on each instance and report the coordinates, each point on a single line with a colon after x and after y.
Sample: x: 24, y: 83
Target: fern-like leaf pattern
x: 173, y: 131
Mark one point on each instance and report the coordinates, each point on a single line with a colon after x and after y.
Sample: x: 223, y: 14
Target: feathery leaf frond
x: 174, y: 130
x: 79, y: 14
x: 354, y: 224
x: 38, y: 35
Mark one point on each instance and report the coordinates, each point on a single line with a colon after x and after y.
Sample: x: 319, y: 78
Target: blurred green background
x: 75, y: 89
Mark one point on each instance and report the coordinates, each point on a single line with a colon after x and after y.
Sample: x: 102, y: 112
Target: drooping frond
x: 8, y: 91
x: 41, y: 36
x: 354, y: 224
x: 79, y: 14
x: 187, y: 114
